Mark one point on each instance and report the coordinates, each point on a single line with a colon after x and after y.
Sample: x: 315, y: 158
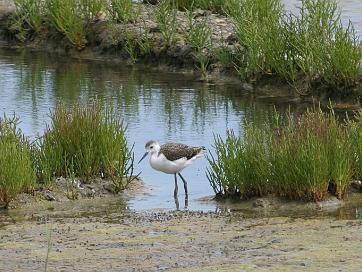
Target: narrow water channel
x: 164, y: 106
x: 167, y: 107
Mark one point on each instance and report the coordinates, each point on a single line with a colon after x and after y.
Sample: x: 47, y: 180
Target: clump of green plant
x: 90, y: 10
x: 198, y: 35
x: 299, y: 157
x: 165, y: 16
x: 131, y: 45
x: 124, y: 11
x: 144, y: 42
x: 259, y: 30
x: 72, y: 183
x: 117, y: 169
x: 312, y: 45
x: 224, y: 54
x: 356, y: 142
x: 65, y: 17
x: 241, y: 165
x: 304, y: 157
x: 213, y: 5
x: 326, y: 50
x: 28, y: 18
x: 16, y: 168
x: 92, y: 138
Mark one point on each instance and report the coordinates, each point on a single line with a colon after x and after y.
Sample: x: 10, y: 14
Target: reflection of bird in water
x: 172, y: 158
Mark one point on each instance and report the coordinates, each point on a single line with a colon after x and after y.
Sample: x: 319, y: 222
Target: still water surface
x: 167, y: 106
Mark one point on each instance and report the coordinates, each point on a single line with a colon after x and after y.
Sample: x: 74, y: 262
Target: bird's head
x: 151, y: 147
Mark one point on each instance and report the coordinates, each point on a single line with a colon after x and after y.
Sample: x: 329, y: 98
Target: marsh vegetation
x: 310, y: 50
x: 81, y: 142
x: 306, y: 156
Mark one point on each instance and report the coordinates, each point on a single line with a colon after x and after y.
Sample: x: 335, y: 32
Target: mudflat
x: 180, y: 241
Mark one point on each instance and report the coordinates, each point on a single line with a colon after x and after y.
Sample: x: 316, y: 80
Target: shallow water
x: 167, y: 106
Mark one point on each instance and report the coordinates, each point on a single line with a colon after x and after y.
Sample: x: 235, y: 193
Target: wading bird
x: 171, y: 158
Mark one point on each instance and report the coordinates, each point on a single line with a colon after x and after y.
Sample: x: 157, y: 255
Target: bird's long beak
x: 144, y: 156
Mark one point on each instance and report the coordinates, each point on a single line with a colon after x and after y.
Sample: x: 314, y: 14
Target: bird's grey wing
x: 174, y: 151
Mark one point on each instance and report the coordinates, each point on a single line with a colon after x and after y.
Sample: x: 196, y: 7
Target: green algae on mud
x: 183, y: 241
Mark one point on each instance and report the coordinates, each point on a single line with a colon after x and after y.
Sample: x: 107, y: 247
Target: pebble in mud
x: 48, y: 195
x: 357, y: 184
x: 261, y: 203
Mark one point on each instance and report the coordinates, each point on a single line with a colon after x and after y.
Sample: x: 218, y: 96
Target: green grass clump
x: 65, y: 17
x: 28, y: 18
x: 16, y: 168
x: 213, y: 5
x: 165, y: 15
x: 259, y: 30
x: 304, y: 157
x: 124, y: 11
x: 356, y: 142
x: 312, y: 45
x: 240, y: 166
x: 326, y: 50
x: 299, y: 158
x: 90, y: 10
x: 87, y: 142
x: 198, y: 35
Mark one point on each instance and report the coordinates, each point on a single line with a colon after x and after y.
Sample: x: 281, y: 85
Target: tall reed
x: 91, y: 138
x: 124, y: 10
x: 198, y: 35
x: 356, y: 142
x: 165, y: 16
x: 16, y: 167
x: 326, y: 50
x: 65, y: 17
x: 259, y: 30
x: 312, y: 45
x: 213, y: 5
x: 31, y: 12
x: 303, y: 157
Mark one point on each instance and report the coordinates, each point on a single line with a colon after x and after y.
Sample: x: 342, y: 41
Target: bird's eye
x: 151, y: 147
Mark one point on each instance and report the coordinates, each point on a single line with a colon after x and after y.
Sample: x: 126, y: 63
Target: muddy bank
x: 106, y: 41
x: 65, y: 190
x: 182, y: 241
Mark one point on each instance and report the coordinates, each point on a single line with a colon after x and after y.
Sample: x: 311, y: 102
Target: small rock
x: 247, y: 87
x: 357, y: 184
x: 155, y: 29
x: 109, y: 187
x: 261, y: 203
x: 48, y: 195
x: 201, y: 13
x: 231, y: 39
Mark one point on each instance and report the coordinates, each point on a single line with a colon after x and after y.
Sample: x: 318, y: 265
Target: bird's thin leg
x: 186, y: 202
x: 177, y: 203
x: 185, y: 185
x: 176, y: 188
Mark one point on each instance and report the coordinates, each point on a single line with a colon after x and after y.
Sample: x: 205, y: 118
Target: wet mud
x: 181, y: 241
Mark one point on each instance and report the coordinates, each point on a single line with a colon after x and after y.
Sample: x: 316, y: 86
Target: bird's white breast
x: 161, y: 163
